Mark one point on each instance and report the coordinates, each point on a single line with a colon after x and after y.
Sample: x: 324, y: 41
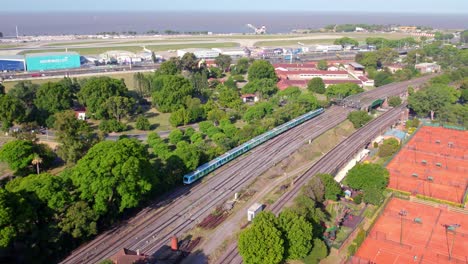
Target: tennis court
x: 409, y: 232
x: 433, y: 163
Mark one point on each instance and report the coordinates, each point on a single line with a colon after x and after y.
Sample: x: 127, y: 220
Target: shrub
x: 112, y: 125
x: 142, y: 123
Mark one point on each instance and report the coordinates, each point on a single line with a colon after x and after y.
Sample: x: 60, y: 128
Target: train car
x: 212, y: 165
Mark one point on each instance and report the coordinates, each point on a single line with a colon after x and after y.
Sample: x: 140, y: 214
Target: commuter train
x: 212, y: 165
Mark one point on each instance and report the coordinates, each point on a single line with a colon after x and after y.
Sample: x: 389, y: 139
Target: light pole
x: 453, y: 228
x: 402, y: 213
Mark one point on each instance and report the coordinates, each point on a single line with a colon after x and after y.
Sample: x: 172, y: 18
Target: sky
x: 406, y: 6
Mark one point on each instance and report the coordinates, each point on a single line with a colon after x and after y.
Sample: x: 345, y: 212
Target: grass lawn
x: 159, y: 122
x: 76, y: 43
x: 99, y: 50
x: 9, y: 46
x: 127, y: 77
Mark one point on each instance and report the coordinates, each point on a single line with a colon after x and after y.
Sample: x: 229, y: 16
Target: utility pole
x: 402, y: 213
x: 453, y: 228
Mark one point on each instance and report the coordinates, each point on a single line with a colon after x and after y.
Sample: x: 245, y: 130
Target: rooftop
x: 44, y: 54
x: 12, y: 57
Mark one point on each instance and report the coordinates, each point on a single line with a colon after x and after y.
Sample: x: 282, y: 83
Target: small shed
x: 80, y: 113
x: 254, y: 210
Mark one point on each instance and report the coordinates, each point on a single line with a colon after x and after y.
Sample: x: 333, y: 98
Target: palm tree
x: 36, y: 161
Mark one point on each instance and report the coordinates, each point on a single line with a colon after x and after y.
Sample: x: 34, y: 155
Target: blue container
x: 52, y: 61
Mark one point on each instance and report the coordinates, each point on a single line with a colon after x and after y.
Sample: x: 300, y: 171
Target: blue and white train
x: 236, y: 152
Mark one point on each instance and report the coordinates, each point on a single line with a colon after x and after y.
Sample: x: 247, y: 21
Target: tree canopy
x: 265, y: 87
x: 297, y: 233
x: 223, y: 61
x: 432, y: 99
x: 371, y: 179
x: 262, y: 69
x: 262, y: 242
x: 359, y: 118
x: 332, y: 187
x: 53, y: 97
x: 97, y: 90
x: 113, y: 175
x: 11, y: 110
x: 343, y: 90
x: 316, y: 85
x: 346, y: 41
x: 170, y: 92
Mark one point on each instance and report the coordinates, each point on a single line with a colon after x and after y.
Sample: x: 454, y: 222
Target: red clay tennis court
x: 428, y: 235
x: 433, y: 163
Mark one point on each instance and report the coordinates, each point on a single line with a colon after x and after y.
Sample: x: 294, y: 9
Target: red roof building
x: 127, y: 256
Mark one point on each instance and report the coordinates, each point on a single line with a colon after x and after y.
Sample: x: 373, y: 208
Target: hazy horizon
x: 75, y: 22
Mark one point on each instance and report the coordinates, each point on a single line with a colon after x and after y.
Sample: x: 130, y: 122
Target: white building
x: 199, y: 53
x: 254, y: 210
x: 427, y: 67
x: 233, y: 52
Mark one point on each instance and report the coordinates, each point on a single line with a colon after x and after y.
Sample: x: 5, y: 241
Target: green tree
x: 261, y: 69
x: 322, y: 65
x: 16, y: 217
x: 216, y: 115
x: 189, y: 62
x: 97, y: 90
x: 258, y: 111
x: 394, y: 101
x: 229, y: 98
x: 241, y: 66
x: 189, y: 154
x: 367, y: 176
x: 373, y: 196
x: 114, y: 175
x: 2, y: 89
x: 383, y: 78
x: 119, y: 107
x: 11, y: 110
x: 170, y: 92
x: 53, y: 98
x: 368, y: 59
x: 359, y: 118
x: 346, y: 41
x: 75, y: 136
x: 316, y: 85
x: 262, y: 242
x: 265, y: 87
x: 319, y: 252
x: 179, y: 117
x: 142, y: 123
x: 18, y: 154
x: 297, y: 233
x: 80, y: 221
x: 160, y: 148
x: 223, y: 61
x: 332, y: 187
x: 168, y: 68
x: 343, y: 90
x: 176, y: 136
x: 432, y: 99
x: 112, y: 125
x: 389, y: 147
x: 48, y: 188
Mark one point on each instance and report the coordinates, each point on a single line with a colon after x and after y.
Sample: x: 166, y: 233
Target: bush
x: 359, y: 118
x: 394, y: 101
x: 176, y: 136
x: 142, y: 123
x: 389, y: 147
x: 358, y: 198
x: 112, y: 125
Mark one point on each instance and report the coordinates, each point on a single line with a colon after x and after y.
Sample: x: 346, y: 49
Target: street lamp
x: 402, y: 213
x: 452, y: 228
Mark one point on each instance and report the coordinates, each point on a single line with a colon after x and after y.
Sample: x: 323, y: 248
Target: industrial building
x: 52, y: 61
x: 199, y: 53
x: 233, y: 52
x: 12, y: 63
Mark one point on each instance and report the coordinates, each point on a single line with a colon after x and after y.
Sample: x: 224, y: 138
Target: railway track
x: 331, y: 162
x: 157, y: 225
x: 181, y: 210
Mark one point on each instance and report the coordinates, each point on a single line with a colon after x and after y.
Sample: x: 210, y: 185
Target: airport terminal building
x: 12, y: 63
x: 52, y: 61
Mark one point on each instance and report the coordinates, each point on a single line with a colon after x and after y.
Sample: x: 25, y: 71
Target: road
x: 181, y: 210
x: 330, y: 163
